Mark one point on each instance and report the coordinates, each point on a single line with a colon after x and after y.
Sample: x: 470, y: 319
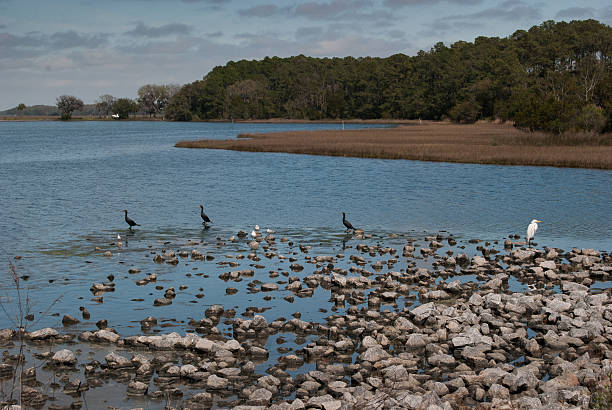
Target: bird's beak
x: 538, y: 221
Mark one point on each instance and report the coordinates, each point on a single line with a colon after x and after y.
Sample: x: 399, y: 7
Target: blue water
x: 63, y: 187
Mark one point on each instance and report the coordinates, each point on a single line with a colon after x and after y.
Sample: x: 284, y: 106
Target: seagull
x: 129, y: 220
x: 270, y: 230
x: 204, y: 217
x: 254, y: 234
x: 347, y: 223
x: 119, y: 243
x: 531, y: 230
x: 257, y: 227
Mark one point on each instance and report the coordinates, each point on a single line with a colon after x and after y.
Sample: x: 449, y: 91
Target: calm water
x: 63, y: 187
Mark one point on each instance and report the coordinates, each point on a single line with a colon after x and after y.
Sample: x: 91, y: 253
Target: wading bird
x: 531, y: 230
x: 204, y: 217
x: 347, y: 223
x: 129, y: 220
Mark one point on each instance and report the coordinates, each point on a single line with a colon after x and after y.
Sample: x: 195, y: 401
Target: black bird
x: 204, y: 217
x: 347, y: 223
x: 129, y: 220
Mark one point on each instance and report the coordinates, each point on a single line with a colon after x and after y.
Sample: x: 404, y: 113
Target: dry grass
x: 481, y: 143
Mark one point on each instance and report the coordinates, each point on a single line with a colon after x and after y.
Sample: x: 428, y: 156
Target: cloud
x: 308, y: 32
x: 606, y: 13
x: 575, y: 12
x: 264, y: 10
x: 517, y: 11
x: 405, y: 3
x: 2, y: 26
x: 142, y: 30
x: 206, y: 1
x: 329, y: 10
x: 396, y: 34
x: 72, y: 39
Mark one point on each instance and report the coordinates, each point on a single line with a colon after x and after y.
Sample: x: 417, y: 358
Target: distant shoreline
x: 480, y: 143
x: 266, y: 121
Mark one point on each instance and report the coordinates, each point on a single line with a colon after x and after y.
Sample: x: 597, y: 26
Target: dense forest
x: 555, y: 77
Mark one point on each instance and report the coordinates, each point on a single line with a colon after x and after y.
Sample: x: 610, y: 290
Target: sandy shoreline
x: 481, y: 143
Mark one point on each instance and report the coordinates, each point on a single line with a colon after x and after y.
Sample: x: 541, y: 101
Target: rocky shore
x: 457, y: 343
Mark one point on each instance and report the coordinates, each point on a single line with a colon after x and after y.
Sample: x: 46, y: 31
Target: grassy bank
x: 481, y: 143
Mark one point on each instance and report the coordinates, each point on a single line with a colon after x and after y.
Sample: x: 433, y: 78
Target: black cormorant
x: 129, y: 220
x: 347, y: 223
x: 204, y: 217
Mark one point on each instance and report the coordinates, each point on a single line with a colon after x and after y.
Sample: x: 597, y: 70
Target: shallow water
x: 63, y: 187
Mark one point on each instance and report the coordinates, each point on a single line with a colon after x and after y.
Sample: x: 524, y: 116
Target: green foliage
x: 591, y: 118
x: 21, y: 107
x: 552, y: 77
x: 124, y: 107
x: 466, y: 112
x: 67, y: 104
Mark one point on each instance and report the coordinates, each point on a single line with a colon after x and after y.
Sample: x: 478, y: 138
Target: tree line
x: 555, y: 77
x: 152, y: 99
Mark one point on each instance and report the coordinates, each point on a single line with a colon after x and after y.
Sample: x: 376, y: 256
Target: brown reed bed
x: 481, y: 143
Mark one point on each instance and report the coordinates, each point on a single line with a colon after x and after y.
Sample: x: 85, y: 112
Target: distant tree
x: 124, y: 107
x: 153, y: 98
x: 20, y: 108
x: 465, y: 112
x: 67, y: 104
x: 104, y: 104
x: 177, y: 109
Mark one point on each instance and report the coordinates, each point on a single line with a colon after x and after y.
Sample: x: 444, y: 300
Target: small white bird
x: 531, y: 230
x: 257, y: 227
x: 254, y: 234
x: 270, y: 230
x: 119, y: 243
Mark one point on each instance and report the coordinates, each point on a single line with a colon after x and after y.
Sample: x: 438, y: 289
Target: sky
x: 88, y: 48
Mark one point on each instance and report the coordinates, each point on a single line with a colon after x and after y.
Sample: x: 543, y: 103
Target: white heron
x: 531, y: 230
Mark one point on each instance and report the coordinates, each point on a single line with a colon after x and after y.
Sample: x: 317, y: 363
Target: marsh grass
x: 480, y: 143
x: 16, y: 306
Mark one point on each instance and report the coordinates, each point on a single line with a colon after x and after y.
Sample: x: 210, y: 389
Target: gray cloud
x: 2, y: 26
x: 345, y: 10
x: 35, y: 43
x: 308, y: 32
x: 72, y: 39
x: 330, y: 10
x: 575, y: 12
x: 207, y: 1
x: 263, y: 10
x: 518, y: 11
x: 404, y: 3
x: 396, y: 34
x: 142, y: 30
x: 606, y: 13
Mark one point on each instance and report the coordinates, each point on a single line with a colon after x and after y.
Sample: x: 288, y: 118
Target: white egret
x: 531, y: 230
